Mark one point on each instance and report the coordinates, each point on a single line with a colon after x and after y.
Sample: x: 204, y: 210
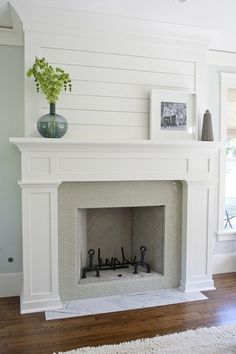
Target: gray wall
x: 12, y: 124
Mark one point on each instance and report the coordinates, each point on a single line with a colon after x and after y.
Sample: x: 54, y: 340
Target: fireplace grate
x: 114, y: 263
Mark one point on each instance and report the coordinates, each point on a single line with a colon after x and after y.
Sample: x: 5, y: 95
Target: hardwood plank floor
x: 31, y: 334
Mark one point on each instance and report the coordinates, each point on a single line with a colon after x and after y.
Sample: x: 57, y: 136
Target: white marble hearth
x: 116, y: 303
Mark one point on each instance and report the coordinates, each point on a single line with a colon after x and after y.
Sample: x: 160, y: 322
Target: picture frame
x: 173, y: 115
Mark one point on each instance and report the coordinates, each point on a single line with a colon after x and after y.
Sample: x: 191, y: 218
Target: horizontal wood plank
x: 116, y: 89
x: 112, y: 60
x: 87, y: 117
x: 97, y: 132
x: 161, y: 49
x: 113, y: 104
x: 129, y: 77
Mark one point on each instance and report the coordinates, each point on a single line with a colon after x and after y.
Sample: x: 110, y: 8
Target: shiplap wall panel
x: 86, y: 117
x: 96, y: 132
x: 108, y: 60
x: 112, y: 104
x: 129, y: 76
x: 157, y: 48
x: 111, y: 90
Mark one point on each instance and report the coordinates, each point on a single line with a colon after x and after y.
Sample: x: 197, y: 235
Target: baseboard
x: 200, y: 285
x: 31, y: 306
x: 11, y: 284
x: 224, y: 263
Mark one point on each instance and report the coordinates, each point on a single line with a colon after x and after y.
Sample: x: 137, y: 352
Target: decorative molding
x: 39, y: 19
x: 14, y: 35
x: 40, y: 247
x: 224, y: 43
x: 197, y: 216
x: 26, y: 144
x: 10, y: 37
x: 206, y: 284
x: 71, y: 160
x: 227, y: 81
x: 11, y: 284
x: 226, y: 236
x: 39, y: 184
x: 39, y: 305
x: 221, y: 58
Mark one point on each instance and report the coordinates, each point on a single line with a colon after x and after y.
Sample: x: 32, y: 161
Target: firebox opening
x: 145, y: 203
x: 116, y: 234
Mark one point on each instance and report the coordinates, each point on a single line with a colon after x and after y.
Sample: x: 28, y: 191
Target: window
x: 230, y: 163
x: 227, y: 159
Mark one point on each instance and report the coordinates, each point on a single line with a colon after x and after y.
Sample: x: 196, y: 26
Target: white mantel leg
x: 198, y: 204
x: 40, y: 247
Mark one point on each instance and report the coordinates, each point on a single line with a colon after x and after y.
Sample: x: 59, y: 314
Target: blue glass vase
x: 52, y: 125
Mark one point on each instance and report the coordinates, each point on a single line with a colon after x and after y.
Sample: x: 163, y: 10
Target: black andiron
x: 142, y: 261
x: 114, y: 263
x: 91, y: 267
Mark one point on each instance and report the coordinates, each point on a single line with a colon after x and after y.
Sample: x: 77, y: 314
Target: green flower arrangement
x: 49, y: 80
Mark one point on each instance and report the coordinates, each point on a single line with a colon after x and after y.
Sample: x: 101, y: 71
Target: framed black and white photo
x: 172, y: 115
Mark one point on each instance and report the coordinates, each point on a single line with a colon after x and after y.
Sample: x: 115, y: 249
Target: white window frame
x: 227, y: 81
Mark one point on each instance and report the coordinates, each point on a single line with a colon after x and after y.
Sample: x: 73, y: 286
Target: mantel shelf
x: 41, y: 144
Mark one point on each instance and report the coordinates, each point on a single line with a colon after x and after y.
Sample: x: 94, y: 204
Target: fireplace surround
x: 119, y: 213
x: 48, y: 163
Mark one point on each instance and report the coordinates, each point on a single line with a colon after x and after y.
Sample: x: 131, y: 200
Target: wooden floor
x: 31, y: 334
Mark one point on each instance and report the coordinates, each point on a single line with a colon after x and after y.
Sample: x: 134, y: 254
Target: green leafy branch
x: 49, y: 80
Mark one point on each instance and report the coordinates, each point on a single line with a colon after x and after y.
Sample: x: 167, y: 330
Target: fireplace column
x: 40, y: 246
x: 197, y: 231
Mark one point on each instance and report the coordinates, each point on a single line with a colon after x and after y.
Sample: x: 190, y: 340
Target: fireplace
x: 51, y: 166
x: 111, y: 215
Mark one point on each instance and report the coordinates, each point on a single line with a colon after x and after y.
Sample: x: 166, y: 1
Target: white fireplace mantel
x: 48, y: 162
x: 70, y: 160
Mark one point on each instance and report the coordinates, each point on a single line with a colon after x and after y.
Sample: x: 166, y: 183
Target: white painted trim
x: 49, y: 161
x: 226, y: 236
x: 197, y: 286
x: 39, y: 184
x: 227, y: 81
x: 9, y: 37
x: 40, y: 288
x: 14, y: 35
x: 221, y: 58
x: 11, y: 284
x: 39, y: 305
x: 56, y: 160
x: 224, y: 263
x: 40, y: 144
x: 39, y: 19
x: 196, y: 272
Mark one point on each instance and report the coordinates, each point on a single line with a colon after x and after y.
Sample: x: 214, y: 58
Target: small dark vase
x: 207, y: 129
x: 52, y: 125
